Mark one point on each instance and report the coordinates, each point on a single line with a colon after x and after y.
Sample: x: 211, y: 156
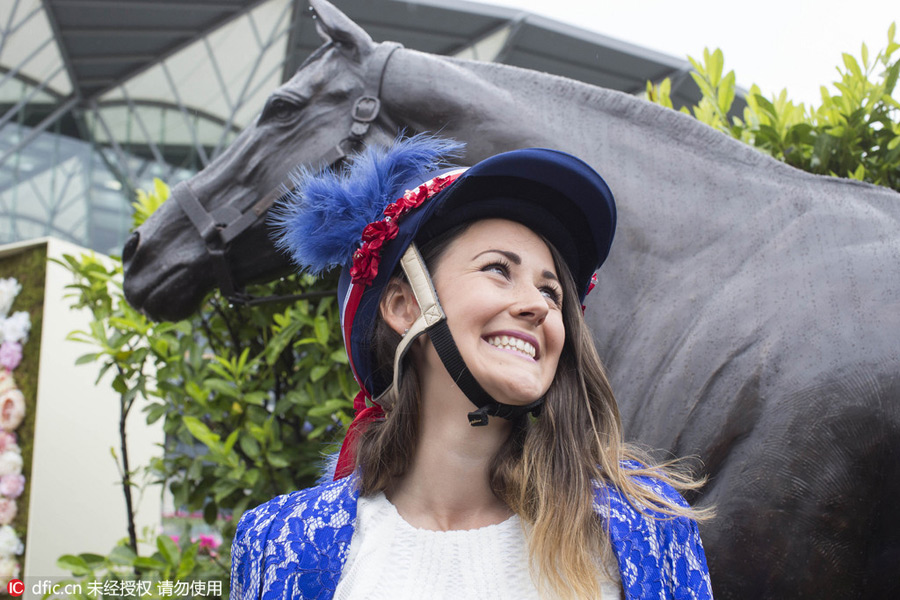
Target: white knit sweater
x: 389, y: 559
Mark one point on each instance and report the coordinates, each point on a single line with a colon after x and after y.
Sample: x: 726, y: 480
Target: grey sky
x: 793, y: 44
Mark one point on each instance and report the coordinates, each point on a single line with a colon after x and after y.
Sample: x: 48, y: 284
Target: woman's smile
x: 498, y: 285
x: 522, y: 344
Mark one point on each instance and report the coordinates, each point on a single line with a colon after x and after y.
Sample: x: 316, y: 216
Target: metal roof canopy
x: 106, y: 42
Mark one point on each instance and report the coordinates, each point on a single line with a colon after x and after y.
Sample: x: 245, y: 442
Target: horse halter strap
x: 219, y: 227
x: 367, y: 107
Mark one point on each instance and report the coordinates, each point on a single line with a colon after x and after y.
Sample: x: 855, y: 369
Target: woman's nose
x: 531, y: 305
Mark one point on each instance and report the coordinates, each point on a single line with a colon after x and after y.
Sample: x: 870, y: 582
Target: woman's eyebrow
x: 516, y: 260
x: 511, y: 256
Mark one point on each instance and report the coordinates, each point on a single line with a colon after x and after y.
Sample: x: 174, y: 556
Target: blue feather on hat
x: 320, y: 223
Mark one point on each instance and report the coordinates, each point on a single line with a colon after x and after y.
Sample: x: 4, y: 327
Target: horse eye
x: 278, y: 109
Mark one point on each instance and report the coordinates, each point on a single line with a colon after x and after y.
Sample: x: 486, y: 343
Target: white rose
x: 9, y: 568
x: 15, y: 328
x: 10, y: 463
x: 9, y: 289
x: 10, y: 544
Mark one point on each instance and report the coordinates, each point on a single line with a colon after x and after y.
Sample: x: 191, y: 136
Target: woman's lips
x: 515, y: 341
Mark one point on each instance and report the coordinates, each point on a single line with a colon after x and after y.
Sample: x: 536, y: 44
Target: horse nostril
x: 131, y: 245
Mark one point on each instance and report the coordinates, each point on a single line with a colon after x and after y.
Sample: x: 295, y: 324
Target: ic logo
x: 15, y: 587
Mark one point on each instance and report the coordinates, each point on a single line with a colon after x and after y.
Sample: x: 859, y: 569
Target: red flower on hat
x: 375, y: 235
x: 365, y: 264
x: 380, y: 231
x: 408, y: 201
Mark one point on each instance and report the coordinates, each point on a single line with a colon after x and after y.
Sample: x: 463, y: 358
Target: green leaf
x: 197, y: 393
x: 160, y: 190
x: 252, y: 477
x: 168, y: 549
x: 726, y: 93
x: 200, y: 431
x: 279, y: 460
x: 122, y: 555
x: 852, y: 65
x: 188, y: 561
x: 890, y: 80
x: 317, y: 432
x: 146, y: 562
x: 87, y: 358
x: 155, y: 412
x: 250, y: 446
x: 715, y: 62
x: 281, y: 340
x: 327, y: 408
x: 225, y: 388
x: 119, y: 384
x: 320, y: 324
x: 225, y: 487
x: 230, y: 440
x: 318, y: 372
x: 258, y: 398
x: 242, y: 362
x: 766, y: 105
x: 74, y: 564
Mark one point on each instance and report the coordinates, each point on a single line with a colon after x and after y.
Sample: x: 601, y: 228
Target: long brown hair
x: 547, y: 469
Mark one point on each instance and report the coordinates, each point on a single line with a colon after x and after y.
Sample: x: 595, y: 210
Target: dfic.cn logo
x: 15, y: 587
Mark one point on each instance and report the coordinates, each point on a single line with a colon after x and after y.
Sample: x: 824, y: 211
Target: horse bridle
x: 218, y: 228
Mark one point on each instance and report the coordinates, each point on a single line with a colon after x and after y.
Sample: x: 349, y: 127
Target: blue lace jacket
x: 294, y: 546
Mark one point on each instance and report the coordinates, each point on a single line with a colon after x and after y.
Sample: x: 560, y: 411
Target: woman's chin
x: 516, y: 395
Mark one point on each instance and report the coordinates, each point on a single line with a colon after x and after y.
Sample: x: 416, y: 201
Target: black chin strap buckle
x: 479, y: 418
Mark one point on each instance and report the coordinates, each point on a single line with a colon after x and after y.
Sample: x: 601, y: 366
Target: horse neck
x: 497, y: 107
x: 514, y: 106
x: 669, y: 172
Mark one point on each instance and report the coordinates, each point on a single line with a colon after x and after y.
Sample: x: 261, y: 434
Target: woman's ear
x: 399, y: 307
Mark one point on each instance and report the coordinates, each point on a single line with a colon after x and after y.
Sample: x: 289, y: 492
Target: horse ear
x: 335, y: 26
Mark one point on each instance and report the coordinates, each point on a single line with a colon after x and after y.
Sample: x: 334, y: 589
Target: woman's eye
x: 552, y: 294
x: 498, y: 268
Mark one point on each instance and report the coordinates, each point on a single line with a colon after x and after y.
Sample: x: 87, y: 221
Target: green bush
x: 250, y: 398
x: 854, y: 133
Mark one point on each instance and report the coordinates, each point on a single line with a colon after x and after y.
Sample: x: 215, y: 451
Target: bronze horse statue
x: 749, y: 313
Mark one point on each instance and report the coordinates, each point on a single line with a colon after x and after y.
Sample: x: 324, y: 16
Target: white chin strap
x: 433, y: 321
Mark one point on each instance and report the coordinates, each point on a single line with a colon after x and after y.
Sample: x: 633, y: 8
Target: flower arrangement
x: 378, y: 233
x: 14, y: 331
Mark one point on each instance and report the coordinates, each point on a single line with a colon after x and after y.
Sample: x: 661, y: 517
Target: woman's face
x: 499, y: 289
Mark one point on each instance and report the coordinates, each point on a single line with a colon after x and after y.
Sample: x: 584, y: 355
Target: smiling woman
x: 498, y: 286
x: 460, y: 288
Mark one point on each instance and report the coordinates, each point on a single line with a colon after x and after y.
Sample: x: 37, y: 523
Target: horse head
x: 212, y: 232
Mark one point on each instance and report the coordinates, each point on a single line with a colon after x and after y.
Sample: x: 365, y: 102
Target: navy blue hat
x: 365, y: 217
x: 554, y: 194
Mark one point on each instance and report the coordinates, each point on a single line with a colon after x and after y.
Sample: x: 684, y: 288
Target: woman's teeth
x: 512, y: 343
